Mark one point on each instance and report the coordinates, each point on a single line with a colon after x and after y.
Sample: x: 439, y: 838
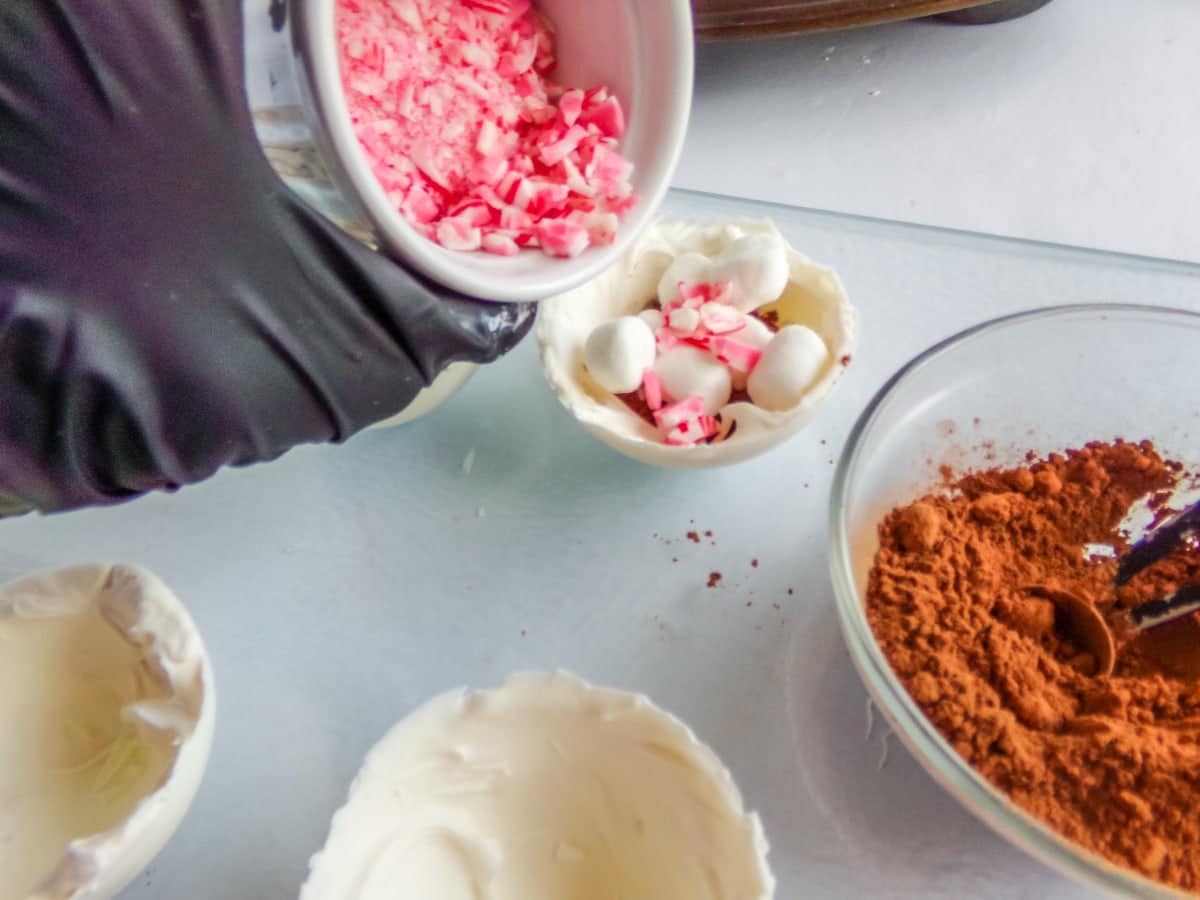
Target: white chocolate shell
x: 546, y: 786
x: 106, y: 721
x: 448, y: 382
x: 814, y: 296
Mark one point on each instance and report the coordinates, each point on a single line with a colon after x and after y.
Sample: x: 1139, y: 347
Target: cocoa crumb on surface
x: 714, y: 579
x: 694, y: 537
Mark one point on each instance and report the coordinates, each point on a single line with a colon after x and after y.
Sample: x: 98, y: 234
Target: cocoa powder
x: 1111, y: 762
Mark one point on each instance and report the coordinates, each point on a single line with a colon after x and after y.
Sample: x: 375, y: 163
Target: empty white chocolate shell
x: 812, y: 296
x: 546, y: 787
x: 106, y: 720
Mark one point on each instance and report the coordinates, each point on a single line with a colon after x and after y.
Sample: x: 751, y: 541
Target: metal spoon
x: 1094, y: 634
x: 1084, y: 623
x: 1092, y: 631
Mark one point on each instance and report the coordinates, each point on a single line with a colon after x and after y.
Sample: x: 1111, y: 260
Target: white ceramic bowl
x: 546, y: 786
x: 106, y: 721
x: 814, y: 297
x: 642, y: 49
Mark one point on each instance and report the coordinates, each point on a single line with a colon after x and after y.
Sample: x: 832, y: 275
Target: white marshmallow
x: 652, y: 317
x: 688, y: 371
x: 618, y: 353
x: 690, y: 268
x: 788, y: 366
x: 757, y: 264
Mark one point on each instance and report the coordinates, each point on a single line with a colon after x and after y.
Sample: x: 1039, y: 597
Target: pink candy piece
x: 570, y: 105
x: 701, y: 317
x: 500, y: 244
x: 451, y: 103
x: 457, y: 234
x: 607, y: 116
x: 652, y: 388
x: 664, y: 341
x: 684, y: 423
x: 601, y: 226
x: 740, y: 357
x: 564, y: 146
x: 562, y: 237
x: 688, y: 408
x: 705, y: 292
x: 511, y: 8
x: 719, y: 318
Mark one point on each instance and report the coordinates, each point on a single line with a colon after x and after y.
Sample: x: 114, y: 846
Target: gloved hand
x: 167, y: 306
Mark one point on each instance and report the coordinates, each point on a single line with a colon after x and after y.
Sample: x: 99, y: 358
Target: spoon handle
x: 1166, y: 609
x: 1158, y: 543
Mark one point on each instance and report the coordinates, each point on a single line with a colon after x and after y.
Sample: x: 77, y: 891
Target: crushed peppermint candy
x: 699, y: 317
x: 478, y: 149
x: 710, y: 345
x: 685, y: 422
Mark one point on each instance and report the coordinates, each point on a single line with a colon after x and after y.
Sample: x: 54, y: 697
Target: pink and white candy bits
x: 700, y: 317
x: 477, y: 147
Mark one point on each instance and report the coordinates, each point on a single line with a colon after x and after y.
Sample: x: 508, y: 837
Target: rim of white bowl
x: 314, y: 45
x: 114, y: 858
x: 713, y: 767
x: 915, y: 731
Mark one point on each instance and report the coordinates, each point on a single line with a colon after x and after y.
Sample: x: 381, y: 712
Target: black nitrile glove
x: 167, y: 306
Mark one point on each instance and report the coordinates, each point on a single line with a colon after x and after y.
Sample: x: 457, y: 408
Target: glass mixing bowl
x: 1042, y: 381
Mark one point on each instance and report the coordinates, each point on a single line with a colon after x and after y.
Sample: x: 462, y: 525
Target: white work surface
x: 341, y: 586
x: 1078, y: 123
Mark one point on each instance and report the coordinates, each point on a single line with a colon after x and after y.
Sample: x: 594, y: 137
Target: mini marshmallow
x: 687, y: 371
x: 618, y: 353
x: 789, y: 364
x: 757, y: 266
x: 688, y: 268
x: 720, y: 318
